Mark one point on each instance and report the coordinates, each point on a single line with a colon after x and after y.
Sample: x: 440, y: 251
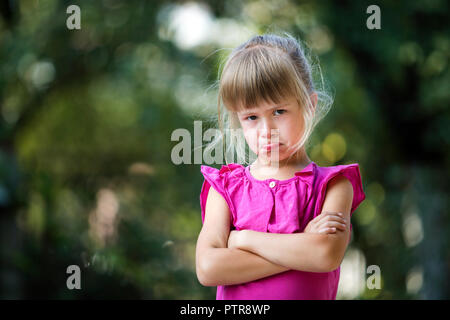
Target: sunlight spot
x: 352, y: 279
x: 141, y: 168
x: 414, y: 280
x: 189, y: 24
x: 41, y: 73
x: 103, y: 220
x: 366, y: 212
x: 192, y: 24
x: 334, y: 147
x: 412, y: 228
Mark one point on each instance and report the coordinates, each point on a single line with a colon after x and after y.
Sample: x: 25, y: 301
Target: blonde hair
x: 267, y: 68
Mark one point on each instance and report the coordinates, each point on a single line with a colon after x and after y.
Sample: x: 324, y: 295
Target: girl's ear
x: 313, y: 96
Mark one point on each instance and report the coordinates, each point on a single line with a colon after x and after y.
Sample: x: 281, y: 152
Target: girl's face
x: 271, y: 130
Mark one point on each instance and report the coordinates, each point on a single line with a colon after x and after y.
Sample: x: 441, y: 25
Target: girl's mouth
x: 271, y: 146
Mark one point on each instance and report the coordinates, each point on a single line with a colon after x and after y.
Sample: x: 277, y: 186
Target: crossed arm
x: 224, y: 258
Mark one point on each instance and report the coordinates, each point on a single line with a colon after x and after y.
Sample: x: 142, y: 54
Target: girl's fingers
x: 326, y: 215
x: 327, y: 230
x: 331, y: 224
x: 334, y: 218
x: 336, y: 225
x: 339, y: 225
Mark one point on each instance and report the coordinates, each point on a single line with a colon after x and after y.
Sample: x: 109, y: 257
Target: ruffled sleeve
x: 351, y: 172
x: 218, y: 180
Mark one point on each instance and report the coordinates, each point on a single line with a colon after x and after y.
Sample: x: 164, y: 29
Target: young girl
x: 278, y: 228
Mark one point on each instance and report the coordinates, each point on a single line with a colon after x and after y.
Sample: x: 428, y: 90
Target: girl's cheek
x: 248, y: 134
x: 252, y: 139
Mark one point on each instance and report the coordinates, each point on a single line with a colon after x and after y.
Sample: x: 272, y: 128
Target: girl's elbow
x: 330, y: 264
x: 205, y: 280
x: 323, y: 265
x: 331, y: 261
x: 204, y: 271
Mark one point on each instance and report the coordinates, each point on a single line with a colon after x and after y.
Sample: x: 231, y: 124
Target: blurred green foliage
x: 86, y: 176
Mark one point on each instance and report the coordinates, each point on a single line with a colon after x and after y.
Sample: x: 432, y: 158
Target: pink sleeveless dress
x: 278, y: 206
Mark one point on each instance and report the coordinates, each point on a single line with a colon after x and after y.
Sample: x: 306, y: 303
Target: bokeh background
x: 86, y: 118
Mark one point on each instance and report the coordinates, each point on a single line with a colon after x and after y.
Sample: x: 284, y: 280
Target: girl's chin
x: 272, y: 155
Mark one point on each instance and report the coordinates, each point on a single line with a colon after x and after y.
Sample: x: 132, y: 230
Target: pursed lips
x: 270, y: 145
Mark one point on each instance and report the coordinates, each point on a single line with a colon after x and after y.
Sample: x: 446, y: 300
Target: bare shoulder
x: 216, y: 200
x: 338, y: 198
x: 340, y: 184
x: 339, y: 195
x: 216, y: 226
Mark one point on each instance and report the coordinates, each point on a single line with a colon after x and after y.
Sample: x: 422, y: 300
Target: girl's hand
x: 235, y: 239
x: 326, y: 222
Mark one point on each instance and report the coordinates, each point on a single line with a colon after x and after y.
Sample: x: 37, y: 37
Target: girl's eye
x: 281, y: 111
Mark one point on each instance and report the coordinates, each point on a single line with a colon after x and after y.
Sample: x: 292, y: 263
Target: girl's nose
x: 268, y: 130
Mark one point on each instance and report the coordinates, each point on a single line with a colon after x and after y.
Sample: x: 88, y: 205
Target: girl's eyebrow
x: 250, y: 111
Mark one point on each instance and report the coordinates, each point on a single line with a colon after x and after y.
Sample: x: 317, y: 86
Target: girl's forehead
x: 265, y: 106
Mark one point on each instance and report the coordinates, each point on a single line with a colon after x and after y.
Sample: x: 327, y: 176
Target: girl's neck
x: 298, y: 161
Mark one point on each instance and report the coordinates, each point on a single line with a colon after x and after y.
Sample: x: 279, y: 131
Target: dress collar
x: 306, y: 175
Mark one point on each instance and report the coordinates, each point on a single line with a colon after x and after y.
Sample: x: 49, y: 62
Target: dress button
x: 272, y: 184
